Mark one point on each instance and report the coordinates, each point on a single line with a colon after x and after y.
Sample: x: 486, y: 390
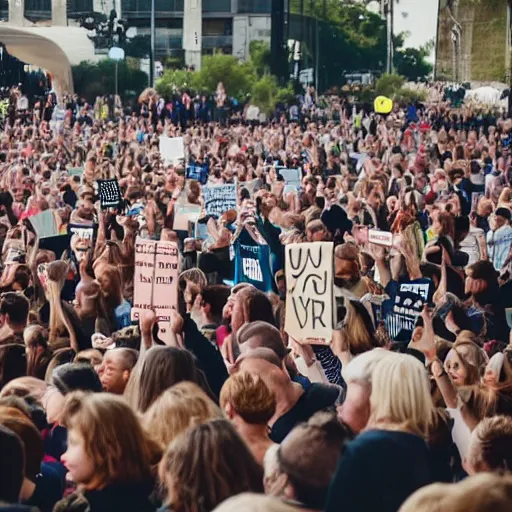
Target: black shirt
x: 317, y: 397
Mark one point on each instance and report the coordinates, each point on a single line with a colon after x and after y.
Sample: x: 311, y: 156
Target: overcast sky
x: 418, y: 18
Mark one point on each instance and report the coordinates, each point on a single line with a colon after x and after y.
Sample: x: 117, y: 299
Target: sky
x: 418, y: 18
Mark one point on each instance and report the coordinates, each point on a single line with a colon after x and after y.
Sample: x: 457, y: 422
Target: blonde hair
x: 59, y: 321
x: 482, y: 492
x: 113, y: 438
x: 400, y: 396
x: 360, y: 369
x: 249, y: 397
x: 183, y: 406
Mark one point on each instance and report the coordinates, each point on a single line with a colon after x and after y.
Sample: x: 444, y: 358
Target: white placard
x: 172, y: 149
x: 309, y: 290
x: 380, y: 237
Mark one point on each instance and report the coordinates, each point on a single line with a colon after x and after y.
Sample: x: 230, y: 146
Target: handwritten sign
x: 309, y: 288
x: 44, y: 224
x: 156, y: 280
x: 172, y: 149
x: 406, y: 302
x: 198, y: 173
x: 380, y: 237
x: 110, y: 193
x: 219, y: 199
x: 252, y: 265
x: 185, y: 213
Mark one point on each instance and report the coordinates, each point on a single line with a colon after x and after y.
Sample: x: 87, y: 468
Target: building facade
x: 228, y: 25
x: 474, y: 40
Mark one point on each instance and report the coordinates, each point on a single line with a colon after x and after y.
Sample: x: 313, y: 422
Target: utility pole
x: 389, y: 7
x: 152, y: 56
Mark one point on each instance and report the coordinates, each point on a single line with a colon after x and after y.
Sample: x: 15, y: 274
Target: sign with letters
x: 377, y: 237
x: 172, y: 149
x: 156, y: 280
x: 310, y: 294
x: 219, y: 199
x: 252, y: 265
x: 197, y: 172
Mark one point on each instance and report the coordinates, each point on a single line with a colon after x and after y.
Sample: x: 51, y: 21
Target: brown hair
x: 255, y: 305
x: 249, y: 397
x: 207, y: 465
x: 183, y: 406
x: 38, y: 353
x: 23, y: 427
x: 162, y: 368
x: 121, y: 450
x: 491, y: 445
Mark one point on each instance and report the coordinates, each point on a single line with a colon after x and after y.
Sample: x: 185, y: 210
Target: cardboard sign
x: 185, y: 213
x: 82, y: 240
x: 252, y: 264
x: 156, y: 280
x: 405, y: 306
x: 198, y: 173
x: 110, y: 193
x: 253, y: 186
x: 44, y: 224
x: 292, y: 177
x: 172, y: 149
x: 380, y: 237
x: 219, y: 199
x: 310, y: 294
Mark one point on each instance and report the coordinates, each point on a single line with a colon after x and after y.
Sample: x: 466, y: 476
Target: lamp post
x: 152, y: 49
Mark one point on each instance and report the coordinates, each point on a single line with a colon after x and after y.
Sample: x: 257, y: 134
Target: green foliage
x: 237, y: 77
x: 405, y: 96
x: 259, y: 52
x: 388, y: 85
x: 264, y: 93
x: 411, y: 63
x: 286, y: 95
x: 97, y: 79
x: 174, y: 79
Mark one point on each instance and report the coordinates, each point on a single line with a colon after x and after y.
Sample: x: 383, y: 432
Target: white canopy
x: 33, y: 48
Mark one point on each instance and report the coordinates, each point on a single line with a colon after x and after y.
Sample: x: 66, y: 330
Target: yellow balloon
x: 383, y: 105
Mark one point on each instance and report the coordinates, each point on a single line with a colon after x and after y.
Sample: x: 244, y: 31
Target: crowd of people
x: 408, y: 407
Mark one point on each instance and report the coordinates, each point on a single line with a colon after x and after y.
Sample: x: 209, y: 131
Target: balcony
x: 77, y: 8
x: 217, y: 6
x: 36, y: 10
x: 172, y: 39
x: 142, y: 8
x: 254, y: 6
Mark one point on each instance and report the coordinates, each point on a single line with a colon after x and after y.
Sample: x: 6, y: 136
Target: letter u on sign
x: 310, y: 297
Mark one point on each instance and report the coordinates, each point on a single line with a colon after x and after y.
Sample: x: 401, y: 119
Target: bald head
x: 116, y: 368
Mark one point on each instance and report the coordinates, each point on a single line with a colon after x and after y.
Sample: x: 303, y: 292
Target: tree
x: 98, y: 79
x: 388, y: 85
x: 412, y: 64
x: 237, y: 77
x: 259, y: 52
x: 177, y: 79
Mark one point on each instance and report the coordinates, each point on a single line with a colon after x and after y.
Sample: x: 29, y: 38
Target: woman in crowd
x: 94, y: 300
x: 182, y: 406
x: 109, y: 457
x: 207, y: 465
x: 250, y: 405
x: 401, y: 416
